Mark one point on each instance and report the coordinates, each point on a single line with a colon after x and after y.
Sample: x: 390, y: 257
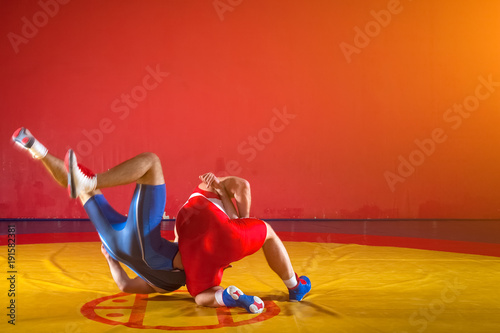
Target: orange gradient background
x: 348, y: 120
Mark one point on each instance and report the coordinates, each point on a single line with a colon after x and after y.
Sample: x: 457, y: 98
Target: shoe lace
x: 86, y: 171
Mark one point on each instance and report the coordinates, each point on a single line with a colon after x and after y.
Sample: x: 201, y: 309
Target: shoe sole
x: 69, y: 168
x: 21, y: 142
x: 16, y: 133
x: 256, y: 300
x: 254, y: 308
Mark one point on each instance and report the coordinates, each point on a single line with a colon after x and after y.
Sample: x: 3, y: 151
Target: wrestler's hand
x: 211, y: 181
x: 219, y: 186
x: 104, y: 252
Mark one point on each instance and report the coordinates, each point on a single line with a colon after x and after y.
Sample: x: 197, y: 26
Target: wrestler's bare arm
x: 211, y: 183
x: 123, y: 281
x: 229, y: 188
x: 239, y: 189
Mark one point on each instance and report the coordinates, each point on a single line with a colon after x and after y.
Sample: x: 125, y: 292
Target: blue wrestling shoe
x: 234, y: 297
x: 298, y: 292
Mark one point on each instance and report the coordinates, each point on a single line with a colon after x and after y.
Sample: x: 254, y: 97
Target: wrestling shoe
x: 297, y: 293
x: 24, y: 139
x: 234, y: 297
x: 80, y: 179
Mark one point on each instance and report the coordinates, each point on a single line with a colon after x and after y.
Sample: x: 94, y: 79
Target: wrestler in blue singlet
x: 135, y: 240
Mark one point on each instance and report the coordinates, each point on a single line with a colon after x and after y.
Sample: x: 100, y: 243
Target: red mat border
x: 486, y: 249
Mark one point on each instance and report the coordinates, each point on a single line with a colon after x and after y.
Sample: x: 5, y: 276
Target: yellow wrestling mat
x: 67, y: 287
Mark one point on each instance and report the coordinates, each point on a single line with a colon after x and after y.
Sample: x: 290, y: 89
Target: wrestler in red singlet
x: 209, y: 240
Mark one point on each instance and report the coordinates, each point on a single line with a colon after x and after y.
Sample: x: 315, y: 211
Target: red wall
x: 332, y: 109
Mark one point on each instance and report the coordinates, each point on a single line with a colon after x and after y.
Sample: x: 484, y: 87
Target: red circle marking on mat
x: 119, y: 300
x: 138, y: 313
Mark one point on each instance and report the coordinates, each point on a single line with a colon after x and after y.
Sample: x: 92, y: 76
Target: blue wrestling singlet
x: 136, y: 240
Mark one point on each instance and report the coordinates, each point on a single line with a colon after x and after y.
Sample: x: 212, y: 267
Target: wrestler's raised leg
x: 55, y: 166
x: 144, y: 168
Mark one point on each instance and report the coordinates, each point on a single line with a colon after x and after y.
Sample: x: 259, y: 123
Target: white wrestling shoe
x: 80, y: 179
x: 24, y: 139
